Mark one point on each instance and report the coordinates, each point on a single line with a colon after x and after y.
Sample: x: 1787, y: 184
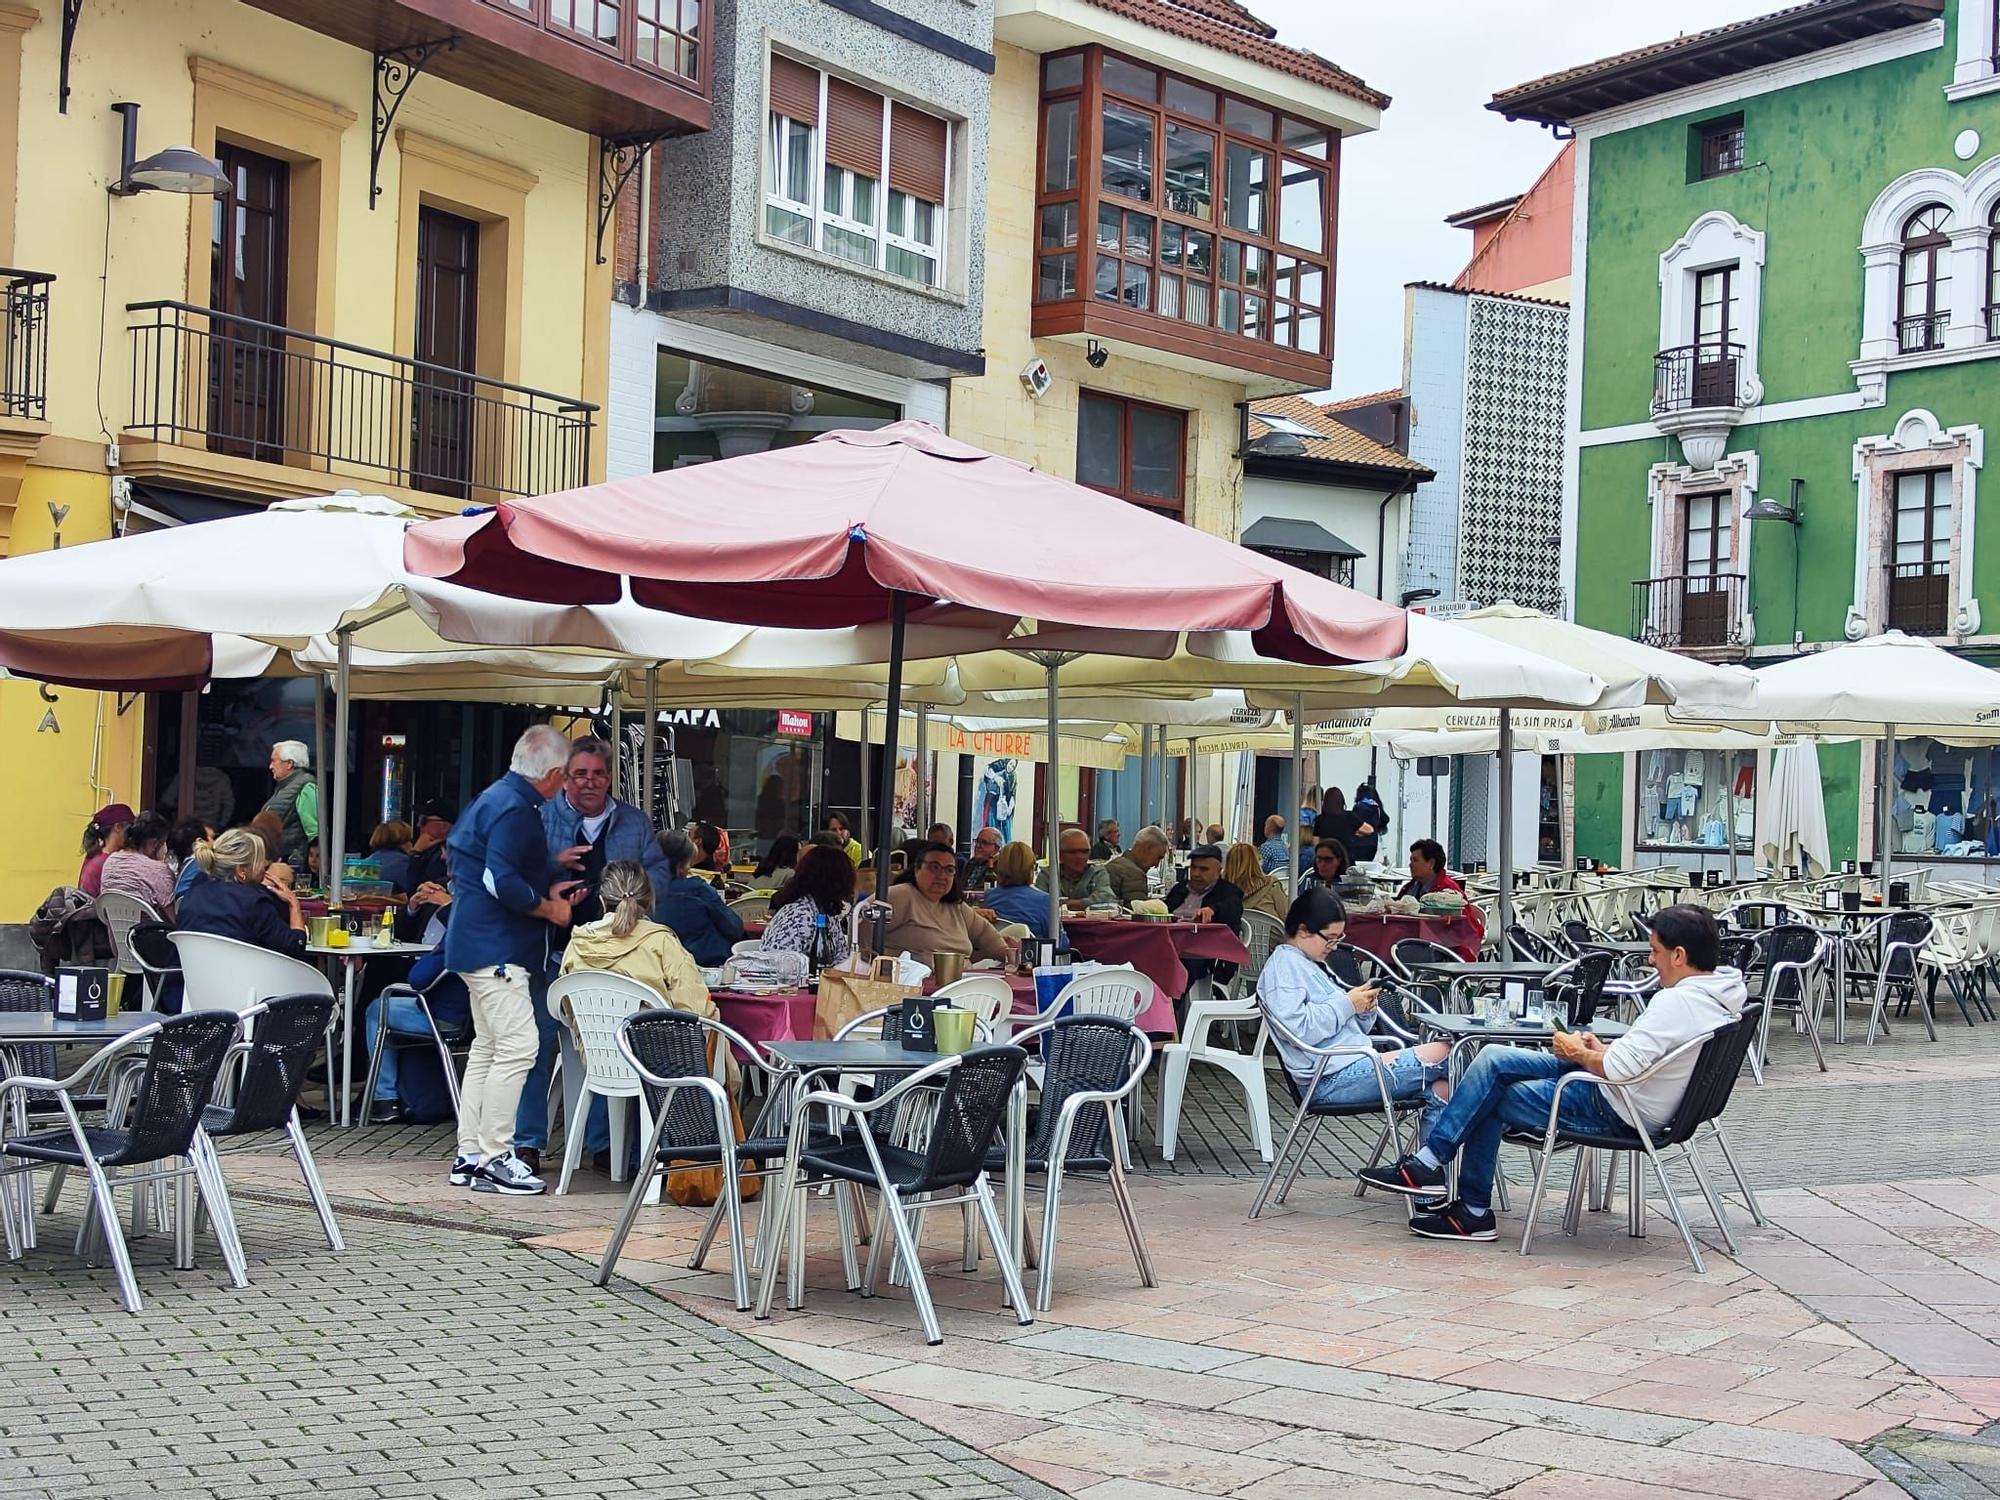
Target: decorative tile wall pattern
x: 1510, y: 522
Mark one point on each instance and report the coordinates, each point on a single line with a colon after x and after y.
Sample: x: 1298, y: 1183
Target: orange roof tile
x: 1228, y: 27
x: 1336, y: 441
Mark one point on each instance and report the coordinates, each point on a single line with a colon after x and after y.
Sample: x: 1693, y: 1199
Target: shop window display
x: 1685, y: 799
x: 1944, y: 804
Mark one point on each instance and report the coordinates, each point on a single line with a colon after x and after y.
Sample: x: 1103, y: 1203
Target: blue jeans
x: 531, y: 1119
x: 404, y: 1016
x: 1408, y: 1077
x: 1509, y: 1088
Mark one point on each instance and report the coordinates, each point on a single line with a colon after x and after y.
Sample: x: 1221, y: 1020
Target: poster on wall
x: 996, y: 791
x: 904, y: 813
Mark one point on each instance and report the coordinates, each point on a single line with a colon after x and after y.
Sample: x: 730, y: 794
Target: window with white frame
x: 1977, y: 67
x: 856, y: 175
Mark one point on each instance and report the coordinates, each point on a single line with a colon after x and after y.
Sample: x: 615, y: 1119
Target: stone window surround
x: 1970, y: 200
x: 1668, y: 487
x: 1714, y: 240
x: 1973, y: 73
x: 1918, y: 441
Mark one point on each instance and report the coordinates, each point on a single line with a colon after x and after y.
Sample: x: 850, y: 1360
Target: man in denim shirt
x: 508, y: 898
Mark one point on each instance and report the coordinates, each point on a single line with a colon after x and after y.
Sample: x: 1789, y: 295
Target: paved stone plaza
x: 458, y: 1346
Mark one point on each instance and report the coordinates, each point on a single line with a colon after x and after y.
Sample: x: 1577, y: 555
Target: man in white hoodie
x: 1510, y: 1087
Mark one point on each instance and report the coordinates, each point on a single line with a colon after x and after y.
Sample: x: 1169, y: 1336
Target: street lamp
x: 178, y: 169
x: 1792, y: 515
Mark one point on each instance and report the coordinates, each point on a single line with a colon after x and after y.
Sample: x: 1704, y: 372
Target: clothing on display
x: 1942, y: 804
x: 1684, y: 798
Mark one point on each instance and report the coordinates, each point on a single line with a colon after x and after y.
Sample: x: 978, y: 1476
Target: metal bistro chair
x: 152, y: 945
x: 451, y: 1043
x: 970, y: 1110
x: 1091, y: 1063
x: 184, y: 1056
x: 1708, y: 1089
x: 1535, y: 948
x: 285, y: 1035
x: 752, y: 908
x: 1580, y: 986
x: 1391, y: 1110
x: 1794, y: 963
x: 1899, y: 939
x: 669, y: 1052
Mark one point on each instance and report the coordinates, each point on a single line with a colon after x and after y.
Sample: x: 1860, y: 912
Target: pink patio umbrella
x: 862, y: 526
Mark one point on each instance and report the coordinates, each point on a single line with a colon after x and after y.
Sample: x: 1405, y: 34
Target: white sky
x: 1440, y: 149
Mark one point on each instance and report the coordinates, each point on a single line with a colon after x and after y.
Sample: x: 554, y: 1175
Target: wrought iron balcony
x: 24, y: 344
x: 1695, y: 612
x: 1925, y: 331
x: 254, y: 390
x: 1697, y: 377
x: 1919, y: 597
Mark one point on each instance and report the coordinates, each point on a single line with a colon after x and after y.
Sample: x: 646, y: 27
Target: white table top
x: 369, y: 950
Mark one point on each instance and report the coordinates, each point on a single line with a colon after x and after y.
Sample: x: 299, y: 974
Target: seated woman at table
x: 928, y: 913
x: 779, y: 863
x: 240, y: 898
x: 1014, y: 896
x: 821, y: 887
x: 626, y: 941
x: 1244, y: 869
x: 1299, y: 992
x: 693, y: 908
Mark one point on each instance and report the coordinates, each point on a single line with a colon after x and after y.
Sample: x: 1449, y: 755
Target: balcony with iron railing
x: 1921, y: 332
x: 1918, y: 598
x: 24, y: 344
x: 1699, y: 395
x: 245, y: 390
x: 1700, y: 614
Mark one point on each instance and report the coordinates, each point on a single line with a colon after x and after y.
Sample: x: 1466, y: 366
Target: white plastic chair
x: 120, y: 913
x: 754, y: 908
x: 223, y: 973
x: 747, y: 945
x: 987, y: 996
x: 1196, y: 1045
x: 593, y: 1005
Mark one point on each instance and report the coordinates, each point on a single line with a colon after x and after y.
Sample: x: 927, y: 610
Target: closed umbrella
x: 1791, y: 814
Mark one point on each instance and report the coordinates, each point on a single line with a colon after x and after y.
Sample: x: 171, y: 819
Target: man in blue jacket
x: 509, y: 897
x: 586, y: 828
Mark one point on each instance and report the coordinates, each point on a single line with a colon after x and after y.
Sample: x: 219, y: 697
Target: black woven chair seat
x: 757, y: 1150
x: 106, y: 1144
x: 1609, y: 1140
x: 905, y: 1169
x: 996, y: 1161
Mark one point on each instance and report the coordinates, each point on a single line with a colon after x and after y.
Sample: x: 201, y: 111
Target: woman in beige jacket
x: 1261, y: 893
x: 626, y: 941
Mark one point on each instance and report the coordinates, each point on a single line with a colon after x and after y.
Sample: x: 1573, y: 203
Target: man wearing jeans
x: 507, y: 896
x: 1511, y: 1087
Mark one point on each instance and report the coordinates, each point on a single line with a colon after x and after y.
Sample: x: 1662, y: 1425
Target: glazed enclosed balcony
x: 264, y: 399
x: 1699, y: 396
x: 609, y: 67
x: 1183, y: 225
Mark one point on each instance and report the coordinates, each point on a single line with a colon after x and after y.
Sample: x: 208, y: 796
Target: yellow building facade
x: 419, y: 311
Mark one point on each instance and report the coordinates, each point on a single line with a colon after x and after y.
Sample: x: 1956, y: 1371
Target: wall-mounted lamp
x: 178, y: 169
x: 1096, y: 355
x: 1772, y: 510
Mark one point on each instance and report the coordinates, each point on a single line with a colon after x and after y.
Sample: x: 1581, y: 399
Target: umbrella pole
x: 1053, y: 766
x: 1884, y: 798
x: 1160, y: 775
x: 319, y: 753
x: 886, y: 788
x: 1296, y: 790
x: 923, y: 767
x: 1729, y: 833
x: 1200, y: 834
x: 861, y: 756
x: 618, y: 746
x: 1145, y: 774
x: 1506, y: 858
x: 333, y: 840
x: 645, y: 798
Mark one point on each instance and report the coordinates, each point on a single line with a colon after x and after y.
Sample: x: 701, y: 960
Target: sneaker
x: 1436, y: 1204
x: 1454, y: 1222
x: 463, y: 1169
x: 386, y: 1112
x: 1407, y: 1176
x: 506, y: 1173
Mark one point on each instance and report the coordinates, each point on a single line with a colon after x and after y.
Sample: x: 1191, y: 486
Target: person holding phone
x: 1511, y: 1087
x: 1300, y: 993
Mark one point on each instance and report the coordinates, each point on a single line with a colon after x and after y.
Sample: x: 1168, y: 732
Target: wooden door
x: 248, y: 244
x: 447, y: 320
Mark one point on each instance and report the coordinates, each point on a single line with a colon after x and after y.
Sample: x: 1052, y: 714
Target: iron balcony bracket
x: 395, y: 70
x: 618, y: 158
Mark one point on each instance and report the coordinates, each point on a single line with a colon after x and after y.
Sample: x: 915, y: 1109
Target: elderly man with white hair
x: 508, y: 898
x: 295, y: 800
x: 1129, y: 873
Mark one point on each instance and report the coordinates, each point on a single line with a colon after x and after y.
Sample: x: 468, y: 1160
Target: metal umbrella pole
x: 923, y: 768
x: 1296, y: 789
x: 886, y: 788
x: 319, y: 753
x: 333, y: 839
x: 618, y: 747
x: 645, y: 797
x: 1884, y: 809
x: 1506, y: 857
x: 1053, y: 766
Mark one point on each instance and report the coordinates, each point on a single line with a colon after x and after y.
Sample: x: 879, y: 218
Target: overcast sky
x: 1440, y: 150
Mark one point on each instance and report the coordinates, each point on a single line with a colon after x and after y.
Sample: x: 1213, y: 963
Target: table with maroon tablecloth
x: 784, y: 1017
x: 1377, y: 932
x: 1155, y: 949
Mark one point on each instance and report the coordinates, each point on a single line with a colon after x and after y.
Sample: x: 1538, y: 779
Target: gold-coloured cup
x: 953, y: 1028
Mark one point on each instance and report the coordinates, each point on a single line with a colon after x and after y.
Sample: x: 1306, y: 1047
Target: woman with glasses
x: 1299, y: 992
x: 928, y: 913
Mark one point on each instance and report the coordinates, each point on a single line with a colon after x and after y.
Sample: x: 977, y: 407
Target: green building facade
x: 1786, y: 273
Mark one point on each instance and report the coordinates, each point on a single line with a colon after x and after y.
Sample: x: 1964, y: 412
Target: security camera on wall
x: 1035, y: 376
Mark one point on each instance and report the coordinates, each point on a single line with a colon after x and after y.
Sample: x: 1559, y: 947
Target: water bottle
x: 816, y: 955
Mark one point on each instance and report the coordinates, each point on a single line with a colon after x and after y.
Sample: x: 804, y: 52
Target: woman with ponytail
x: 625, y: 940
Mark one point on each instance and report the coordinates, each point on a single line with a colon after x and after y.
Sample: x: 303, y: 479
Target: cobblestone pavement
x: 1317, y: 1352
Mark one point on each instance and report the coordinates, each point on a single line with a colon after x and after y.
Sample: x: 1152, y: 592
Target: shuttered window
x: 853, y: 127
x: 823, y: 180
x: 794, y: 90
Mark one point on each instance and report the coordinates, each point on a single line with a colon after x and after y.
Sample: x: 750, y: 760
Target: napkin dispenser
x: 919, y: 1024
x: 1899, y: 893
x: 82, y: 992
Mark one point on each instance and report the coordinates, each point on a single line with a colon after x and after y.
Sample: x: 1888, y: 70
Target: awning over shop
x: 1298, y: 536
